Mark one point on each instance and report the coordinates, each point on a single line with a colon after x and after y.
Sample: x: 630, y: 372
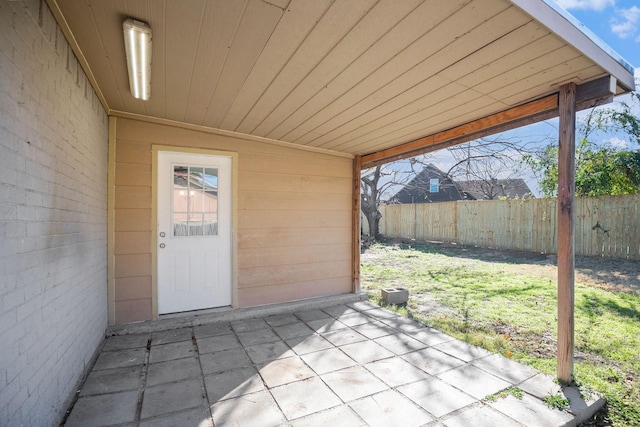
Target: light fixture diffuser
x: 137, y: 45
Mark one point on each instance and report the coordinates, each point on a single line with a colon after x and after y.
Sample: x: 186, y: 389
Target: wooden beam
x: 596, y: 92
x: 357, y: 168
x: 566, y: 230
x: 512, y: 118
x: 588, y: 95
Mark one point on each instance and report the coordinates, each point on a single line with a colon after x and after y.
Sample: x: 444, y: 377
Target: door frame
x: 154, y: 218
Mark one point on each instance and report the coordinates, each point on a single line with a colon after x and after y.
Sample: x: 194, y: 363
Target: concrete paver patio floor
x: 352, y: 364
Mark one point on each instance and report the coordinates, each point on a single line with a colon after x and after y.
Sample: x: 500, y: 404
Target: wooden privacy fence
x: 607, y: 226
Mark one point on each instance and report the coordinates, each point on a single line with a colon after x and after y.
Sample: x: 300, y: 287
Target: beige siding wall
x: 294, y: 218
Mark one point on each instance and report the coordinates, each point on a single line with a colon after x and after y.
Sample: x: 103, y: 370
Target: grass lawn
x: 506, y: 303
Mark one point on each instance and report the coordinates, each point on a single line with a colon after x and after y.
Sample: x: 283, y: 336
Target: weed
x: 503, y: 394
x: 556, y: 401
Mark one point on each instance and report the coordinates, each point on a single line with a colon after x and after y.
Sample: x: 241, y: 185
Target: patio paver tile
x: 505, y: 368
x: 429, y: 336
x: 176, y: 350
x: 339, y: 310
x: 217, y: 343
x: 304, y: 345
x: 436, y: 396
x: 326, y: 325
x: 353, y: 383
x: 474, y: 381
x: 541, y: 385
x: 111, y: 380
x: 233, y: 383
x: 172, y: 397
x: 310, y: 315
x: 462, y: 350
x: 366, y: 351
x: 334, y: 417
x: 105, y: 409
x: 400, y: 343
x: 362, y: 305
x: 224, y: 360
x: 243, y: 411
x: 390, y: 408
x: 328, y: 360
x: 171, y: 336
x: 479, y: 416
x: 396, y: 371
x: 294, y: 330
x: 256, y: 337
x: 122, y: 342
x: 281, y: 319
x: 343, y: 337
x: 172, y: 370
x: 304, y: 398
x: 354, y: 319
x: 246, y: 325
x: 374, y: 329
x: 531, y: 411
x: 432, y: 360
x: 403, y: 323
x: 200, y: 417
x: 267, y: 352
x: 284, y: 371
x: 212, y: 330
x: 121, y: 358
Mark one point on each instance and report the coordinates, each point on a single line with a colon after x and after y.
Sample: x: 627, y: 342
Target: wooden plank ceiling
x: 355, y: 76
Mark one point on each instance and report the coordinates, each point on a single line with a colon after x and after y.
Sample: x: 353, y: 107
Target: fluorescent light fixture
x: 137, y: 45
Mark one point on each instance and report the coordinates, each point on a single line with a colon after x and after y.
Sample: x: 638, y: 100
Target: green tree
x: 601, y: 169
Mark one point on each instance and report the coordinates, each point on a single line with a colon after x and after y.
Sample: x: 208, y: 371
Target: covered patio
x: 268, y: 110
x: 311, y: 364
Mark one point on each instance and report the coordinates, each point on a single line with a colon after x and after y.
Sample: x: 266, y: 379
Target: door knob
x: 162, y: 234
x: 162, y: 245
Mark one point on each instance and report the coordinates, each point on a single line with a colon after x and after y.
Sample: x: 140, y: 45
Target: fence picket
x: 607, y: 226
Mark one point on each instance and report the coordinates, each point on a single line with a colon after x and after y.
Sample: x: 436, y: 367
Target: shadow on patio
x: 353, y: 365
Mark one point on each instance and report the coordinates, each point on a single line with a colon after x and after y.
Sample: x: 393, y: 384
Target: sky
x: 617, y: 24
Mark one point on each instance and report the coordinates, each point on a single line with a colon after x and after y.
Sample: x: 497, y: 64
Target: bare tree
x: 487, y: 165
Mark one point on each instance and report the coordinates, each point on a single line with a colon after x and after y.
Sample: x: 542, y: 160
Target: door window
x: 195, y: 201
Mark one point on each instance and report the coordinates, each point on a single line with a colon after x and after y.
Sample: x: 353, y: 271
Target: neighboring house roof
x: 495, y: 189
x: 418, y: 189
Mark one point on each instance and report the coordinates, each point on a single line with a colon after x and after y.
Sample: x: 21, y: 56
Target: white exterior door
x: 194, y: 231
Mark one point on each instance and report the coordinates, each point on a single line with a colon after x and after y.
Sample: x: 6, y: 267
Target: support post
x: 566, y: 230
x: 357, y: 168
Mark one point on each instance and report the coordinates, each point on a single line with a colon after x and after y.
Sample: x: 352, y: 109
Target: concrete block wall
x: 53, y: 217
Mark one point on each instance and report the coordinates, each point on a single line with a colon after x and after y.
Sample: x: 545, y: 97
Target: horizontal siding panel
x: 282, y: 274
x: 133, y: 197
x: 292, y: 237
x: 132, y: 219
x: 132, y: 265
x: 269, y: 200
x: 133, y: 310
x: 293, y: 291
x: 133, y: 152
x: 312, y: 166
x: 263, y: 257
x: 293, y: 219
x: 131, y: 288
x: 294, y: 183
x: 132, y: 242
x: 133, y: 175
